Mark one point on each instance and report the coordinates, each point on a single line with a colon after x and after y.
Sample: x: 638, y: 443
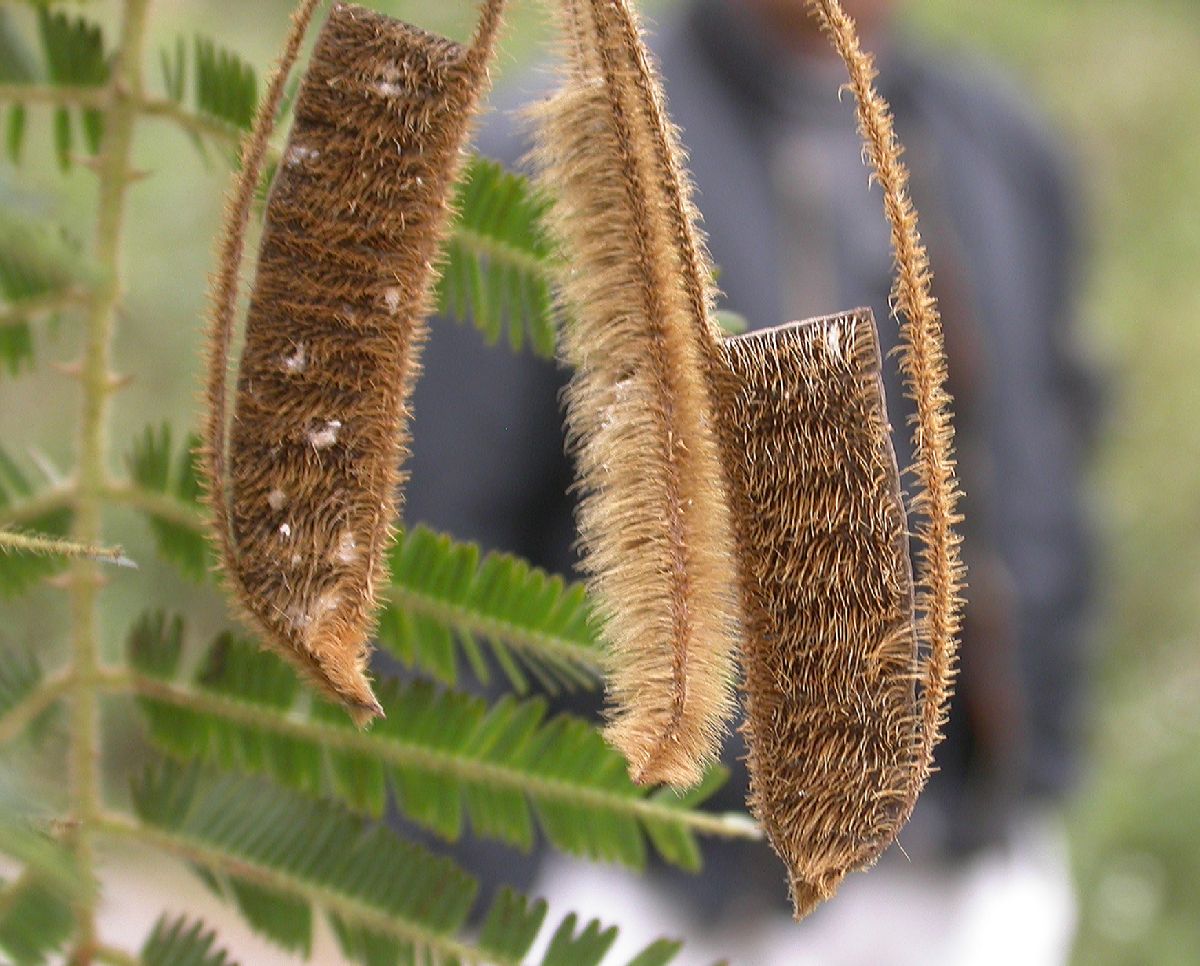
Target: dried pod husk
x: 355, y: 219
x: 654, y: 520
x: 832, y: 722
x: 849, y: 663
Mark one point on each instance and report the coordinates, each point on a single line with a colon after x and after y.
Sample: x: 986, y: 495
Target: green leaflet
x: 39, y: 270
x: 499, y: 261
x: 20, y: 675
x: 35, y: 920
x: 446, y: 601
x: 224, y: 86
x: 157, y: 468
x: 449, y: 758
x: 178, y: 942
x: 35, y: 908
x: 444, y: 593
x: 389, y: 901
x: 74, y: 51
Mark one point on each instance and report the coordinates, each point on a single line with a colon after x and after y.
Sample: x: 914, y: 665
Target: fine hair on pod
x: 638, y: 333
x: 304, y: 476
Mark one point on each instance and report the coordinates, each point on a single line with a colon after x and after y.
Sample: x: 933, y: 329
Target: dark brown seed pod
x: 304, y: 502
x: 840, y: 742
x: 654, y: 519
x: 830, y: 656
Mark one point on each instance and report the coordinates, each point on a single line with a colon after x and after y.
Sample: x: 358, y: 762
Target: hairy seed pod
x: 305, y: 500
x: 830, y: 656
x: 654, y: 520
x: 840, y: 742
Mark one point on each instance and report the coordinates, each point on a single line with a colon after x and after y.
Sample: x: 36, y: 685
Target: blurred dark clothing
x: 795, y: 232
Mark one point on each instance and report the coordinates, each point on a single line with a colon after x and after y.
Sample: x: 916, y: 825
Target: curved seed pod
x: 830, y: 654
x: 654, y: 520
x: 304, y: 503
x: 840, y: 744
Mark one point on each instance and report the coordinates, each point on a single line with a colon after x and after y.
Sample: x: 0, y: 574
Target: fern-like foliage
x: 74, y: 51
x: 35, y: 908
x: 448, y: 757
x: 499, y: 260
x: 224, y: 87
x: 447, y: 601
x: 17, y: 65
x: 20, y: 676
x: 270, y: 851
x: 183, y: 942
x: 160, y: 470
x: 18, y: 571
x: 39, y: 270
x: 444, y: 593
x: 35, y: 920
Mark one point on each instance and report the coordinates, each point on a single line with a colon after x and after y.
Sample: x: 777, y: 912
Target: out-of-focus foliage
x: 1123, y: 77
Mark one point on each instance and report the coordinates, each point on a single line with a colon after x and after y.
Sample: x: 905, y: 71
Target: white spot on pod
x: 297, y: 361
x: 326, y: 436
x: 285, y: 530
x: 347, y: 548
x: 391, y: 298
x: 833, y: 340
x: 299, y: 153
x: 276, y: 499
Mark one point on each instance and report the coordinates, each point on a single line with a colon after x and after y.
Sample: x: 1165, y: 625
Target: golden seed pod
x: 654, y: 519
x: 304, y: 500
x: 830, y: 657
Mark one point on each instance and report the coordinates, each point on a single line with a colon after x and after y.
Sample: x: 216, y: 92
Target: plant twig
x: 120, y: 101
x: 25, y: 511
x: 399, y: 753
x: 29, y: 708
x: 191, y: 121
x: 67, y: 95
x: 27, y: 310
x: 12, y: 541
x: 60, y: 95
x: 157, y: 504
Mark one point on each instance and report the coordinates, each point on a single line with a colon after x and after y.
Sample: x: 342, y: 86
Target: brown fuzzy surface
x: 849, y: 663
x: 830, y: 657
x: 318, y: 434
x: 654, y: 519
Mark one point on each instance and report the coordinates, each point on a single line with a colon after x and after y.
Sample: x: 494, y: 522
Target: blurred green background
x: 1122, y: 79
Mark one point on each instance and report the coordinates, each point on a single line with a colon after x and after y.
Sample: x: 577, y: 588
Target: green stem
x: 28, y: 310
x: 11, y: 540
x: 400, y: 753
x: 19, y: 716
x: 156, y: 504
x: 497, y: 251
x: 65, y: 95
x: 195, y: 123
x: 121, y: 101
x: 19, y: 514
x: 342, y: 905
x: 59, y: 95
